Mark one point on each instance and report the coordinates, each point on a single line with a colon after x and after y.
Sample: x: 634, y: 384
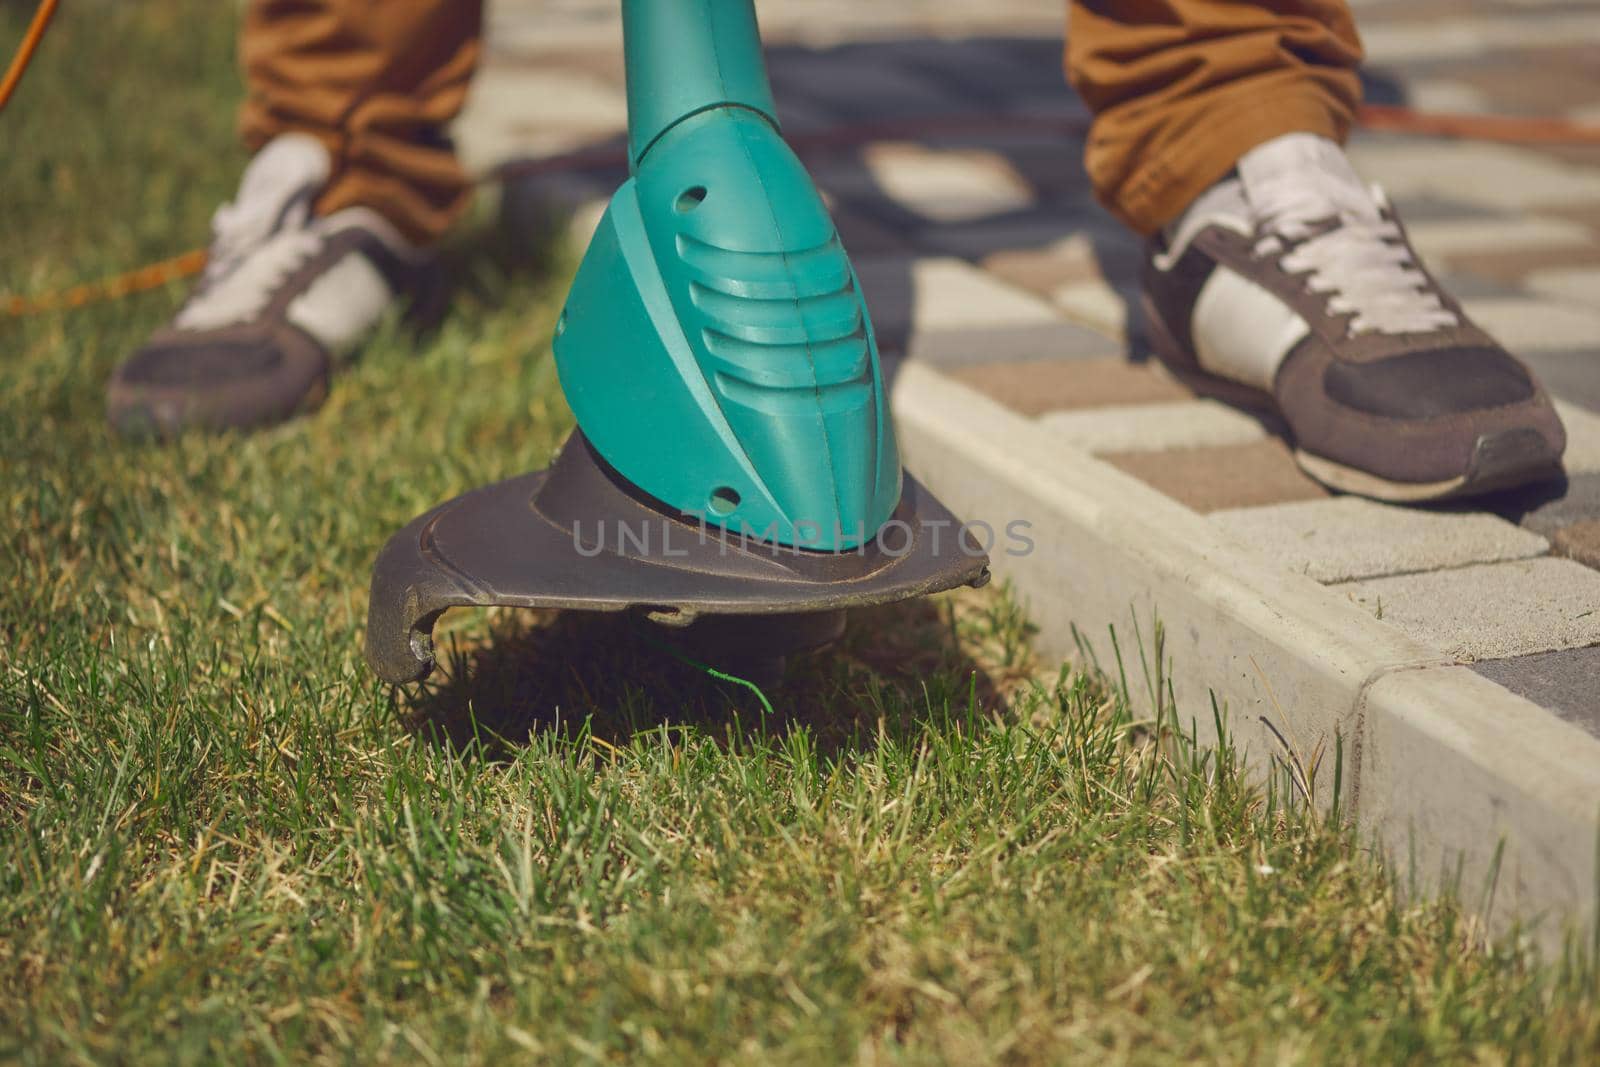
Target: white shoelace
x: 1315, y: 213
x: 247, y: 278
x: 261, y: 237
x: 240, y: 227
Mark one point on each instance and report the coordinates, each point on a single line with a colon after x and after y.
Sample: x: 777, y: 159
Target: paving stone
x: 1577, y: 284
x: 1100, y: 305
x: 1078, y: 258
x: 1492, y: 610
x: 923, y: 295
x: 1526, y: 324
x: 515, y: 111
x: 1049, y: 160
x: 798, y: 117
x: 1583, y: 437
x: 1012, y: 345
x: 916, y: 185
x: 1587, y: 214
x: 1518, y: 266
x: 1567, y: 683
x: 1468, y: 286
x: 531, y: 206
x: 1498, y: 176
x: 1578, y: 155
x: 1572, y: 375
x: 1431, y: 207
x: 1458, y: 36
x: 1346, y: 538
x: 1567, y: 76
x: 1579, y: 541
x: 1447, y: 95
x: 853, y: 87
x: 1043, y: 272
x: 947, y: 186
x: 996, y: 72
x: 545, y: 25
x: 1046, y: 226
x: 1458, y: 240
x: 1195, y: 423
x: 1230, y: 476
x: 864, y: 236
x: 832, y: 22
x: 596, y: 62
x: 1547, y: 508
x: 1034, y: 388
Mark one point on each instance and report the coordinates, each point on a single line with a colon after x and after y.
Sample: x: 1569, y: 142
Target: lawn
x: 222, y: 840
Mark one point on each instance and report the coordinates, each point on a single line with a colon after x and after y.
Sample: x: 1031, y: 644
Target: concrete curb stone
x: 1443, y: 766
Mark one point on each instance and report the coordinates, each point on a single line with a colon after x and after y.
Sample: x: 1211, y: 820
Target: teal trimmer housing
x: 715, y: 347
x: 717, y: 353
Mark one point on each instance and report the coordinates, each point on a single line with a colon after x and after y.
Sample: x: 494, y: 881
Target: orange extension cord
x: 30, y: 43
x: 1387, y: 118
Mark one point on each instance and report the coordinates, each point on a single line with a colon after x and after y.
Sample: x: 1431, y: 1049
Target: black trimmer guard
x: 580, y: 537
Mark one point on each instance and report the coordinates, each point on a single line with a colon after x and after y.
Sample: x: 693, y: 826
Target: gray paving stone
x: 1492, y: 610
x: 1442, y: 239
x: 1469, y: 35
x: 534, y: 207
x: 994, y: 71
x: 857, y: 88
x: 1076, y: 259
x: 827, y: 22
x: 1050, y: 158
x: 1104, y: 306
x: 1465, y: 285
x: 1435, y: 207
x: 1583, y: 437
x: 949, y: 349
x: 1564, y: 78
x: 947, y: 186
x: 1575, y: 284
x: 1519, y: 266
x: 864, y: 236
x: 1043, y: 227
x: 909, y: 295
x: 799, y: 117
x: 1496, y: 176
x: 1529, y: 324
x: 1567, y: 683
x: 1545, y: 509
x: 1347, y: 538
x: 1571, y: 374
x: 517, y: 111
x: 1445, y: 94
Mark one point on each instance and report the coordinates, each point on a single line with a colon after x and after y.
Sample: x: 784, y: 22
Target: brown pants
x: 1179, y: 90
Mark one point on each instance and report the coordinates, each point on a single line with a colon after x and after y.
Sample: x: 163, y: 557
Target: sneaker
x: 284, y: 294
x: 1291, y: 285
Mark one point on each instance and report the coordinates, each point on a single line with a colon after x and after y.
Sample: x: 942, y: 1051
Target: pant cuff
x: 1162, y: 189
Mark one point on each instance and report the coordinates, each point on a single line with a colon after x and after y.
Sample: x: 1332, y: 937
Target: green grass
x: 222, y: 840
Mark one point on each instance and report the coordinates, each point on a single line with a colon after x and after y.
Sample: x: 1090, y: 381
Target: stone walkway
x: 950, y: 146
